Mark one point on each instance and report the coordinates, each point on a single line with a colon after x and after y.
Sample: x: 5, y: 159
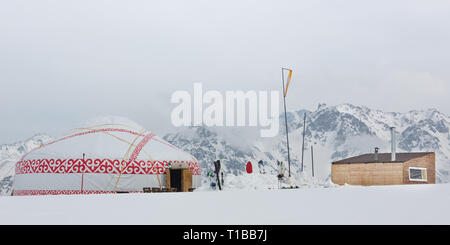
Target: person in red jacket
x: 249, y: 168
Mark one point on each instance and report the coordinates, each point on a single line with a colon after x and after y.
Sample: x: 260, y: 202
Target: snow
x: 268, y: 181
x: 407, y: 204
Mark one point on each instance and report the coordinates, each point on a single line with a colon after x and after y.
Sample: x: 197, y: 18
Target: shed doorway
x: 175, y: 179
x: 181, y: 179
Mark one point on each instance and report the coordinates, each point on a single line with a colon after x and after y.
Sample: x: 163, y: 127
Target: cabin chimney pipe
x: 393, y: 144
x: 376, y: 154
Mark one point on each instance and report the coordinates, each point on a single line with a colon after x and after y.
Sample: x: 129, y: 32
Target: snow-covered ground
x: 408, y: 204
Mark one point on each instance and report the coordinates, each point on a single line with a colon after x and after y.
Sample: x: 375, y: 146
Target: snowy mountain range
x: 333, y: 132
x: 11, y: 153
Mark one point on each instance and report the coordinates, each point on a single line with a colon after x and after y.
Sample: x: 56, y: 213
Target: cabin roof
x: 383, y: 157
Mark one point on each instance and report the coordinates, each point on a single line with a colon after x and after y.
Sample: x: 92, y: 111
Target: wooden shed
x: 379, y: 169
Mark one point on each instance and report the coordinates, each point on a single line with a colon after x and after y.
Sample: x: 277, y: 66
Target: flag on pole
x: 288, y: 81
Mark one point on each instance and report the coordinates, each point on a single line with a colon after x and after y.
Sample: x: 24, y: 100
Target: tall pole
x: 82, y: 174
x: 312, y: 161
x: 285, y: 121
x: 303, y: 143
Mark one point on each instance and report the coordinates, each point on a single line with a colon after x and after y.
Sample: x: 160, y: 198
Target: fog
x: 63, y: 62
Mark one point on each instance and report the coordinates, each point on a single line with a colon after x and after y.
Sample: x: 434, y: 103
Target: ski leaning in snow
x: 261, y: 167
x: 280, y: 175
x: 216, y: 178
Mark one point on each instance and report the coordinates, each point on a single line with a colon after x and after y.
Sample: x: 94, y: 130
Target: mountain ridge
x: 334, y: 132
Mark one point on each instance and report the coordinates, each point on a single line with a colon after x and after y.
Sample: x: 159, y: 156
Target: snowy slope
x: 335, y: 132
x: 340, y: 205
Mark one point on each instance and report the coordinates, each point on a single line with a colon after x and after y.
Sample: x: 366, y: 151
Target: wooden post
x: 82, y: 174
x: 312, y: 161
x: 303, y: 143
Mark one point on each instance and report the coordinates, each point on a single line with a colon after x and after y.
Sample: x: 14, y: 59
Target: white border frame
x: 421, y: 180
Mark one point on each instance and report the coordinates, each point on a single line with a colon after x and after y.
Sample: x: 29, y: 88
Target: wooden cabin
x: 382, y: 169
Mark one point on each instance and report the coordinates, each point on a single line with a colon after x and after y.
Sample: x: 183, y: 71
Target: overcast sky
x: 63, y: 62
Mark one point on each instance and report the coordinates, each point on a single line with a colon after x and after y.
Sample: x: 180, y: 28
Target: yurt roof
x: 111, y: 138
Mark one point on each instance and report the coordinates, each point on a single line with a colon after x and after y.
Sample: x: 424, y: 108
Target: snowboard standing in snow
x: 217, y: 172
x: 212, y: 179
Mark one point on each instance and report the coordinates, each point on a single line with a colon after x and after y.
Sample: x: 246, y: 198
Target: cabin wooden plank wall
x: 367, y: 173
x: 428, y: 162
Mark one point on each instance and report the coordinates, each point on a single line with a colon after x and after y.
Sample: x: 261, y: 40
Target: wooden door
x: 168, y: 178
x: 186, y: 180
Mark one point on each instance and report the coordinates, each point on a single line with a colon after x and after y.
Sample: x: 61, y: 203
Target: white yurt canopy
x: 105, y: 155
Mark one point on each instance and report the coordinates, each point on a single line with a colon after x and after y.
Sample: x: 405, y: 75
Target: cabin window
x: 417, y: 174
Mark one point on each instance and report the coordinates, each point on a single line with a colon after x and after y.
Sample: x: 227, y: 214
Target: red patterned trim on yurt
x: 62, y: 192
x: 141, y: 145
x: 195, y: 168
x: 101, y: 166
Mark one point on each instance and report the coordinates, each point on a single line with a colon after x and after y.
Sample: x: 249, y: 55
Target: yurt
x: 106, y: 155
